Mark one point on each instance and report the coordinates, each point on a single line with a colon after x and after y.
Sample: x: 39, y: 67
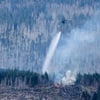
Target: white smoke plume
x: 69, y: 78
x: 80, y: 52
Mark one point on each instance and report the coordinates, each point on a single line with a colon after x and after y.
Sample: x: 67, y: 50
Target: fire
x: 57, y: 85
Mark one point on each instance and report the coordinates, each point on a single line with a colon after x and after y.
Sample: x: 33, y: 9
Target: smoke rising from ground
x: 69, y: 78
x: 78, y: 53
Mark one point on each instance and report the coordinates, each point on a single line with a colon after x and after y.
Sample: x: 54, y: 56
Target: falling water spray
x: 50, y: 53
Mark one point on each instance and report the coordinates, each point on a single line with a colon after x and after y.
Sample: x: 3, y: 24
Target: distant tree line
x: 90, y: 80
x: 16, y: 78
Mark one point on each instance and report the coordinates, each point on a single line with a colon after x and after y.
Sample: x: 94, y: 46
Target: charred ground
x: 26, y: 85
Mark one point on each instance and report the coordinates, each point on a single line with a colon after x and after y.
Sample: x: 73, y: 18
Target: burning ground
x: 48, y: 92
x: 33, y: 86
